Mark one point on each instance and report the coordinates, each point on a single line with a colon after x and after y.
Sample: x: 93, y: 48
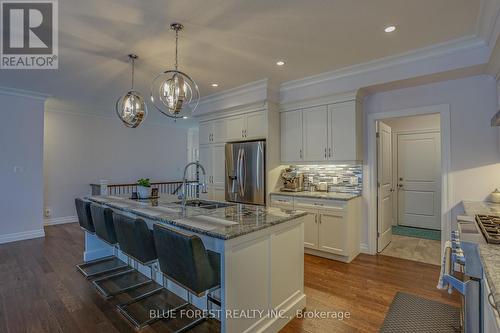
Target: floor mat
x: 413, y: 314
x: 416, y: 232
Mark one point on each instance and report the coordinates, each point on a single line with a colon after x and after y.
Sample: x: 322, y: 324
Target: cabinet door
x: 219, y: 194
x: 256, y: 126
x: 315, y: 128
x: 205, y: 133
x: 311, y: 231
x: 219, y: 165
x: 342, y: 131
x: 235, y: 127
x: 209, y: 195
x: 291, y: 136
x: 206, y: 159
x: 332, y: 233
x: 219, y: 131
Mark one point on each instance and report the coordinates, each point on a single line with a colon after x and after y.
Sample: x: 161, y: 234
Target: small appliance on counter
x: 293, y: 180
x: 495, y: 196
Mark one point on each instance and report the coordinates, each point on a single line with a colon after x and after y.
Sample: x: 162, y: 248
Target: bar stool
x: 184, y: 259
x: 105, y: 231
x: 136, y: 241
x: 96, y: 267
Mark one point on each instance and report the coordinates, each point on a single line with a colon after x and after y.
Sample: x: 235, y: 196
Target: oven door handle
x: 452, y: 281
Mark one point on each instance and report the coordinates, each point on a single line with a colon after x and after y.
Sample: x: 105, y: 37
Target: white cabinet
x: 218, y: 165
x: 331, y: 227
x: 247, y: 126
x: 322, y: 133
x: 344, y: 132
x: 256, y: 126
x: 235, y: 128
x: 213, y: 131
x: 291, y: 136
x: 206, y: 159
x: 332, y: 232
x: 315, y: 134
x: 311, y: 230
x: 213, y: 160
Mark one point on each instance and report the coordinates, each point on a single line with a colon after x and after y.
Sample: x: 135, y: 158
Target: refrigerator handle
x: 239, y: 171
x: 244, y: 172
x: 260, y: 153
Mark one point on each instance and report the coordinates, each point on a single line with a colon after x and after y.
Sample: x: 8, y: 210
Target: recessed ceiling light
x: 280, y: 62
x: 390, y: 28
x: 215, y: 85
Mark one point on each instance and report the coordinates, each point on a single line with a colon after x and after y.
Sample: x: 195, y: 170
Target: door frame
x: 370, y: 172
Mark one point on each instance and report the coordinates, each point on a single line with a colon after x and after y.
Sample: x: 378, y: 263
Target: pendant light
x: 174, y: 93
x: 131, y: 108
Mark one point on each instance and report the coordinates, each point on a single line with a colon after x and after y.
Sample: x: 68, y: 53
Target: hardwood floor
x: 41, y: 291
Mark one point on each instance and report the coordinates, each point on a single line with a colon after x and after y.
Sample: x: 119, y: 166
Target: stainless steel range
x: 463, y: 257
x: 490, y: 227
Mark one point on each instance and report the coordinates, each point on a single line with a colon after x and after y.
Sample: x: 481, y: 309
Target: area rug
x: 416, y: 232
x: 413, y: 314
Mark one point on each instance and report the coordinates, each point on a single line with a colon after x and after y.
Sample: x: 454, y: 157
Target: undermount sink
x: 205, y: 204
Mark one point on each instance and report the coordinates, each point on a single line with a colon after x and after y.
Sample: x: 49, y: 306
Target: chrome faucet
x: 202, y: 185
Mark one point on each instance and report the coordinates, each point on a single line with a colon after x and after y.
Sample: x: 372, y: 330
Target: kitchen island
x: 262, y: 256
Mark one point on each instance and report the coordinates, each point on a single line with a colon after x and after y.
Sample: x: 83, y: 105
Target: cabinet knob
x: 325, y: 152
x: 329, y: 152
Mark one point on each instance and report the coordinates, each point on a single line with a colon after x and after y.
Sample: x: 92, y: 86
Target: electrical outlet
x: 46, y: 212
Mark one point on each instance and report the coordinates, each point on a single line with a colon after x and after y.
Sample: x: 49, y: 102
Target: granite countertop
x: 223, y: 223
x: 490, y: 253
x: 320, y: 195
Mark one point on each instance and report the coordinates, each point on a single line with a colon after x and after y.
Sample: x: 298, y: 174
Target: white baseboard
x: 60, y: 220
x: 363, y: 248
x: 18, y: 236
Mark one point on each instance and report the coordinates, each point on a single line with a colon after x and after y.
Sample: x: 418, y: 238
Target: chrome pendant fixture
x: 174, y: 93
x: 131, y: 108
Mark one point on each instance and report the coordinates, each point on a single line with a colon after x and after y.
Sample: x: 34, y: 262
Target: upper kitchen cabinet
x: 213, y: 131
x: 247, y: 126
x: 345, y: 128
x: 315, y: 134
x: 327, y: 133
x: 291, y: 136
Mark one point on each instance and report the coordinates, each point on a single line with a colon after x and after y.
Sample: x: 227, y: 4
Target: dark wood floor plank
x: 41, y: 291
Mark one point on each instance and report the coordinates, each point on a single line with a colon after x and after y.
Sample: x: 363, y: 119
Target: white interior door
x: 419, y: 180
x: 385, y: 188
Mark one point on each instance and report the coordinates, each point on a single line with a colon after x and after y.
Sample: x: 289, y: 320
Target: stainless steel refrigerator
x: 246, y: 172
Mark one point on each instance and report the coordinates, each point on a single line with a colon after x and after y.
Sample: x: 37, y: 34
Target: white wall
x: 475, y: 157
x: 424, y: 122
x: 81, y: 149
x: 21, y: 148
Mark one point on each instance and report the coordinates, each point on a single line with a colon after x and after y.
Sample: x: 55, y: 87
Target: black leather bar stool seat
x: 100, y: 266
x: 184, y: 259
x: 136, y: 241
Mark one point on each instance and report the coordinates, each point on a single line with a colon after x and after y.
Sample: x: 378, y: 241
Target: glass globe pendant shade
x: 174, y: 94
x: 131, y: 109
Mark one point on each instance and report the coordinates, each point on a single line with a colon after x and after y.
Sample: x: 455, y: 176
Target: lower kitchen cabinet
x: 311, y: 230
x: 331, y: 228
x: 332, y: 232
x: 214, y: 193
x: 491, y: 316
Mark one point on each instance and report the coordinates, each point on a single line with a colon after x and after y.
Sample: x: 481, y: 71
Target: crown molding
x: 318, y: 101
x: 488, y: 22
x: 23, y: 93
x: 432, y: 51
x: 251, y: 93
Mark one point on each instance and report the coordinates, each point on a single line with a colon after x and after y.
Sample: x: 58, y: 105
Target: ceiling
x: 230, y: 42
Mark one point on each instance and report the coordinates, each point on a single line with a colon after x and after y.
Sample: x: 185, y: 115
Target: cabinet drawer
x: 320, y: 204
x: 281, y: 201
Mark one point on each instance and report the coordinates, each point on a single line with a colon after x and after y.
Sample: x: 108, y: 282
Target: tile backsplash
x: 344, y: 178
